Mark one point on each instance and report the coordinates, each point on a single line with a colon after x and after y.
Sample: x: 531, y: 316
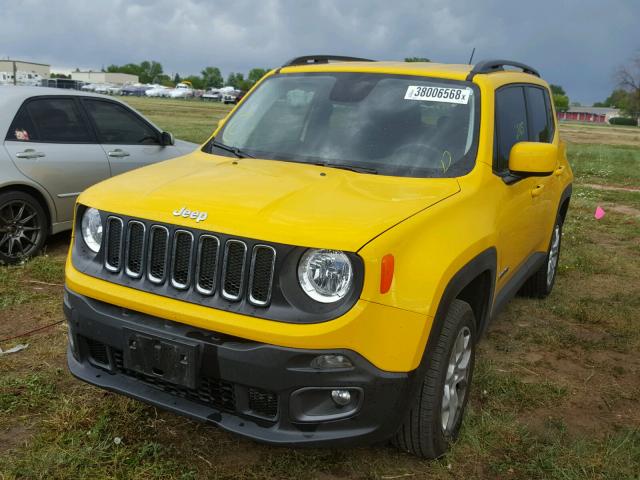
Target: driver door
x: 127, y: 139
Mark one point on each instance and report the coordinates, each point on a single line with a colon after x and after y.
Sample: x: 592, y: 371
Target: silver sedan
x: 56, y: 144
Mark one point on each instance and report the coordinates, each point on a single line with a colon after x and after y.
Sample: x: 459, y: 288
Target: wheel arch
x: 474, y: 283
x: 41, y: 197
x: 564, y: 202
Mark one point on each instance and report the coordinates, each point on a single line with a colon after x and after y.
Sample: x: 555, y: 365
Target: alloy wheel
x: 456, y: 380
x: 19, y: 229
x: 552, y: 262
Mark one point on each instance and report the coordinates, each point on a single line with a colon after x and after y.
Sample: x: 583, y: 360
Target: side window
x: 511, y: 123
x: 58, y: 120
x: 22, y: 129
x: 117, y: 125
x: 540, y: 128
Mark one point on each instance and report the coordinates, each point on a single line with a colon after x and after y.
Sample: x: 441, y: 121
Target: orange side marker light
x: 386, y: 276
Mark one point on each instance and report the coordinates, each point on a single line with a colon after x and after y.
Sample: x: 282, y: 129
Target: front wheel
x: 23, y: 227
x: 435, y: 417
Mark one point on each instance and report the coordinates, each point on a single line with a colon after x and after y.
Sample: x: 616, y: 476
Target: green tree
x: 147, y: 71
x: 177, y: 79
x: 236, y: 80
x: 416, y: 59
x: 561, y: 102
x: 255, y: 74
x: 557, y: 90
x: 628, y: 77
x: 212, y: 78
x: 195, y: 80
x: 560, y: 98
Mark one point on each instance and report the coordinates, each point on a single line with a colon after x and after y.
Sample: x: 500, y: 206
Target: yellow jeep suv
x: 319, y: 272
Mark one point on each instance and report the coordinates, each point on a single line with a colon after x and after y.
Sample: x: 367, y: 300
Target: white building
x: 104, y: 77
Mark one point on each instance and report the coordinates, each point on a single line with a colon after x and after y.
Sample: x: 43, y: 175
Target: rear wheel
x: 540, y: 284
x: 435, y: 417
x: 23, y: 227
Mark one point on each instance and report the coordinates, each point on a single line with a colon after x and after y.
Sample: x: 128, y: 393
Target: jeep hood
x: 275, y: 201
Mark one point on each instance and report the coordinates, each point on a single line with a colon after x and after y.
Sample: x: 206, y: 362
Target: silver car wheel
x: 19, y: 229
x: 456, y: 381
x: 554, y: 250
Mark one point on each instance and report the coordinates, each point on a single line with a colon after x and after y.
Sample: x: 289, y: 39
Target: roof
x: 455, y: 71
x: 597, y: 110
x: 23, y: 61
x: 12, y: 93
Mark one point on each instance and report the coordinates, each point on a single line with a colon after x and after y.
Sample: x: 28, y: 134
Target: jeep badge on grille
x: 186, y: 213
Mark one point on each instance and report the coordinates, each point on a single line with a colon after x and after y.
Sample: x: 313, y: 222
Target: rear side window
x: 511, y: 123
x: 22, y: 129
x: 117, y: 125
x: 540, y: 121
x: 57, y: 120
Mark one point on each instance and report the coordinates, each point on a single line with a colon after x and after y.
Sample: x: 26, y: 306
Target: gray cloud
x: 576, y: 43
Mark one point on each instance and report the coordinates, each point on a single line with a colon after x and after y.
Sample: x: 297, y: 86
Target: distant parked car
x: 135, y: 90
x: 56, y: 144
x: 182, y: 90
x: 158, y: 91
x: 213, y: 94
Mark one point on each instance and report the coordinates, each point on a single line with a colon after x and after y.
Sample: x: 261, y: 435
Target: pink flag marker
x: 599, y: 213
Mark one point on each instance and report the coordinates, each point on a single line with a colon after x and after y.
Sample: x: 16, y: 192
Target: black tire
x: 422, y: 432
x: 540, y: 284
x: 23, y: 227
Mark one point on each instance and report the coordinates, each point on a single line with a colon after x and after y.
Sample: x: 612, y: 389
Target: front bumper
x: 254, y: 389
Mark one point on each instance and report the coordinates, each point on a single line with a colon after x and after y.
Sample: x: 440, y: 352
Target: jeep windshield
x: 369, y: 123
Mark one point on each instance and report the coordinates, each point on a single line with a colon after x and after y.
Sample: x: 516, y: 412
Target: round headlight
x: 325, y: 275
x: 92, y: 229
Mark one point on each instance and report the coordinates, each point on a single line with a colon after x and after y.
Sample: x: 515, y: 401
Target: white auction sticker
x: 438, y: 94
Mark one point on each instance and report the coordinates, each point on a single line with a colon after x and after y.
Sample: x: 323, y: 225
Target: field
x: 555, y: 393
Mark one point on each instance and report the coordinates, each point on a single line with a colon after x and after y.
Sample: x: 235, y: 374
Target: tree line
x: 210, y: 77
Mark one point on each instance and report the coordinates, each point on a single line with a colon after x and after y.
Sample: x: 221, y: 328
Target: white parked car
x: 55, y: 144
x: 182, y: 90
x: 157, y: 91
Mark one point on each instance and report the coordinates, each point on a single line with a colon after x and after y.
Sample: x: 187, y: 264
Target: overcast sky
x: 575, y: 43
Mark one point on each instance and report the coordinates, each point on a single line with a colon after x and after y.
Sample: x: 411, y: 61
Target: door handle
x: 118, y: 153
x: 537, y: 190
x: 30, y: 153
x: 559, y: 171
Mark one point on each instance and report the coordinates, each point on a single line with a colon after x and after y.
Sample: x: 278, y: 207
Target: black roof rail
x: 490, y: 66
x: 312, y: 59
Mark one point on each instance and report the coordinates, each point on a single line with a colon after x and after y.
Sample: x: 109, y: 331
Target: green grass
x: 555, y: 393
x: 616, y: 164
x: 190, y: 120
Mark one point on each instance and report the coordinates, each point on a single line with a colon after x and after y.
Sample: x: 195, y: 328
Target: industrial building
x: 105, y: 77
x: 25, y: 73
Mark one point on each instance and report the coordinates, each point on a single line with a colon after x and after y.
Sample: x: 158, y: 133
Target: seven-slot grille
x: 189, y: 260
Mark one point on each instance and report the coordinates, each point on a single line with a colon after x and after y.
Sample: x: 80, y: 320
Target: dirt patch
x: 600, y: 135
x: 13, y: 437
x: 611, y: 188
x: 623, y: 209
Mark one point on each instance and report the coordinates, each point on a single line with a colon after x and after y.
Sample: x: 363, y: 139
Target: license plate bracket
x: 161, y: 358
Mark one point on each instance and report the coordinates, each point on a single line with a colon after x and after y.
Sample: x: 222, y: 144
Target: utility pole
x: 15, y: 73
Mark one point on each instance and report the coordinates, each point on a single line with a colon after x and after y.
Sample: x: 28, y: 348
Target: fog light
x: 341, y: 397
x: 328, y: 362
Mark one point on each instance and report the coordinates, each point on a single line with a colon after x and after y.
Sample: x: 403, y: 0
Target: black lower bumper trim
x: 243, y: 386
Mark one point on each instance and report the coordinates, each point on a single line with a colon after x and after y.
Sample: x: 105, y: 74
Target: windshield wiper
x: 352, y: 168
x: 235, y: 150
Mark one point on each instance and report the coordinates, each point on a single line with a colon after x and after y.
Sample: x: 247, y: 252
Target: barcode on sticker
x: 438, y: 94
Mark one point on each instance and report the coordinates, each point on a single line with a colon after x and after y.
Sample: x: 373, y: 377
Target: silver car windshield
x: 374, y: 123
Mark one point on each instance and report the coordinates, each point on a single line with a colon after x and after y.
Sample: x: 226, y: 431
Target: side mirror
x: 533, y: 158
x: 167, y: 139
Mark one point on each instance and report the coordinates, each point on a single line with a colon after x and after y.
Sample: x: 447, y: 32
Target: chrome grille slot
x: 113, y: 245
x: 263, y: 262
x: 135, y: 249
x: 181, y: 259
x: 158, y: 248
x: 233, y: 268
x: 207, y: 264
x: 192, y: 265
